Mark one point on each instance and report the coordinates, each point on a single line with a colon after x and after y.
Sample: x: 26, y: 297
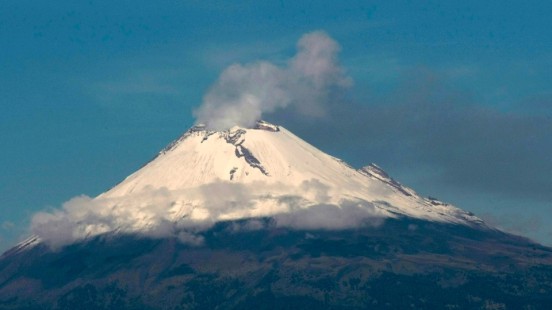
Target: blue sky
x: 452, y: 99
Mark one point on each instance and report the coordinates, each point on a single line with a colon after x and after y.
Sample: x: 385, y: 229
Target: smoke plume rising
x: 243, y: 93
x: 240, y: 96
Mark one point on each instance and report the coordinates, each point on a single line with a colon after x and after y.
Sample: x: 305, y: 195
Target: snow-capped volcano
x: 245, y: 217
x: 262, y: 171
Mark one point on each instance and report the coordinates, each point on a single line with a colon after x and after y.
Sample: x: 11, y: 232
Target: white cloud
x: 243, y: 93
x: 349, y: 214
x: 186, y: 214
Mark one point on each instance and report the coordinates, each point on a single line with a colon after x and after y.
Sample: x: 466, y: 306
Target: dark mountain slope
x: 401, y: 264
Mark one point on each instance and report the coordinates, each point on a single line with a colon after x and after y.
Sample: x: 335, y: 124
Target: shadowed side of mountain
x: 401, y: 264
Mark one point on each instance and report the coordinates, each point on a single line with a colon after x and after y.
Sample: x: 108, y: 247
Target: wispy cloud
x: 7, y: 225
x: 133, y: 86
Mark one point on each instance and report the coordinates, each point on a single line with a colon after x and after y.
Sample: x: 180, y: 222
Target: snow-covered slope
x: 242, y: 173
x: 209, y: 176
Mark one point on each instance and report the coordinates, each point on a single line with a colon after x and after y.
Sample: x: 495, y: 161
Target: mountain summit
x: 208, y: 176
x: 256, y: 218
x: 278, y: 171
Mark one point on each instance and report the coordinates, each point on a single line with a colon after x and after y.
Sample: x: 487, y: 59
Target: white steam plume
x: 243, y: 93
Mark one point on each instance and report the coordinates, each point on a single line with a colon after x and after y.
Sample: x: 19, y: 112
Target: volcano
x: 258, y: 218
